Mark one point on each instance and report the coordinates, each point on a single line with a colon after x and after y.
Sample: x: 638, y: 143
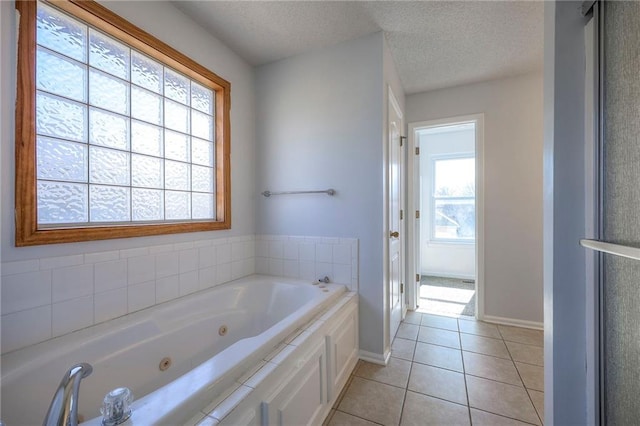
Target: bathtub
x: 210, y: 338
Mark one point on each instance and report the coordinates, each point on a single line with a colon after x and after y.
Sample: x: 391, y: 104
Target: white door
x: 396, y: 297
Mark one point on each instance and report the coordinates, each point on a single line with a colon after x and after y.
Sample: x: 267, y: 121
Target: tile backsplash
x: 48, y: 297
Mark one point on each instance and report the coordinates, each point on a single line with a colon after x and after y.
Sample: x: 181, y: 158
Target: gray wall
x: 512, y: 110
x: 564, y: 224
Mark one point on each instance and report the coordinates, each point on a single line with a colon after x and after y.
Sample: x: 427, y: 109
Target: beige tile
x: 437, y: 321
x: 490, y: 367
x: 537, y: 398
x: 344, y: 388
x: 403, y: 348
x: 373, y: 401
x: 444, y: 384
x: 328, y: 419
x: 484, y: 345
x: 501, y: 398
x: 413, y: 317
x: 522, y: 335
x: 422, y: 410
x: 482, y: 418
x: 396, y: 373
x: 407, y: 331
x: 532, y: 376
x: 438, y: 356
x: 343, y: 419
x: 440, y: 337
x: 526, y: 353
x: 478, y: 328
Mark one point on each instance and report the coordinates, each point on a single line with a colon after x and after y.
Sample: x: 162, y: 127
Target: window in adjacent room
x: 117, y: 134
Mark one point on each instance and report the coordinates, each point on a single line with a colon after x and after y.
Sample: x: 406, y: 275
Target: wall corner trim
x: 375, y: 358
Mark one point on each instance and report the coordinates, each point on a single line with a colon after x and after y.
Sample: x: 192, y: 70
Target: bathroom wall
x: 513, y: 125
x: 49, y: 296
x: 320, y: 125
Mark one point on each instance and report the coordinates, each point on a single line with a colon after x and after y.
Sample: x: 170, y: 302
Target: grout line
x: 353, y: 415
x: 464, y: 375
x: 502, y: 415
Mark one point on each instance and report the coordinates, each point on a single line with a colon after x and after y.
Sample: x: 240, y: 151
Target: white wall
x: 437, y: 258
x: 45, y: 270
x: 513, y: 185
x: 320, y: 125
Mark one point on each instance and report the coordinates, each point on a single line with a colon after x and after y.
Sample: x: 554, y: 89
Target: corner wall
x: 513, y: 125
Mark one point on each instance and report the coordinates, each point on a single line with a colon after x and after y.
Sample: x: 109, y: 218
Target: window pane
x: 202, y: 206
x: 60, y: 202
x: 109, y: 204
x: 455, y: 219
x: 177, y: 205
x: 201, y: 125
x: 146, y: 139
x: 176, y: 146
x: 61, y: 33
x: 61, y: 76
x: 108, y: 92
x: 202, y: 152
x: 202, y: 179
x: 107, y: 129
x: 455, y: 178
x: 176, y: 176
x: 146, y: 106
x: 147, y: 204
x: 176, y: 116
x: 146, y: 171
x: 201, y: 98
x: 176, y: 86
x: 108, y: 55
x: 108, y: 166
x: 146, y: 72
x: 61, y: 160
x: 60, y: 118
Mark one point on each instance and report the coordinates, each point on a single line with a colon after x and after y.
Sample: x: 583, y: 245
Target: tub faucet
x: 324, y: 280
x: 63, y: 410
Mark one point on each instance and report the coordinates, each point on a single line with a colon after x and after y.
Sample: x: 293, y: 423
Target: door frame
x: 413, y: 205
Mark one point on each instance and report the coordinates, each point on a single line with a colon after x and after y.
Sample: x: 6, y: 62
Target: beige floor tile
x: 395, y: 373
x: 345, y: 387
x: 479, y: 328
x: 438, y: 382
x: 538, y: 402
x: 440, y: 337
x: 501, y: 398
x: 484, y: 345
x: 526, y: 353
x: 522, y: 335
x: 532, y: 376
x: 408, y: 331
x: 422, y: 410
x: 373, y: 401
x: 482, y: 418
x: 437, y: 321
x: 343, y: 419
x: 438, y: 356
x: 413, y: 317
x: 491, y: 367
x: 403, y: 348
x: 328, y: 419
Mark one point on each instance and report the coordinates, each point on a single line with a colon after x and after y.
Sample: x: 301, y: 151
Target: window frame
x: 93, y: 14
x: 434, y: 198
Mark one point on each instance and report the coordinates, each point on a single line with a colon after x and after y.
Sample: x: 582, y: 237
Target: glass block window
x: 125, y: 132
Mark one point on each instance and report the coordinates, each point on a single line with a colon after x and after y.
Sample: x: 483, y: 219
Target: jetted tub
x: 211, y: 338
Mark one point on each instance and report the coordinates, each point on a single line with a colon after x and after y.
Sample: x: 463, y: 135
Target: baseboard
x: 514, y: 322
x: 449, y: 275
x: 375, y: 358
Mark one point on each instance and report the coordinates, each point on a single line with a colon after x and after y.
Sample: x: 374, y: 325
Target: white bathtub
x: 258, y: 311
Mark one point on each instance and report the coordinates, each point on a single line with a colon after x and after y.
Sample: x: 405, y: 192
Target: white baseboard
x: 375, y: 358
x: 449, y: 275
x: 515, y: 322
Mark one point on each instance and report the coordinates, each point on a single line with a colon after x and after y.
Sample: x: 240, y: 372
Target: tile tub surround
x: 97, y: 287
x: 492, y: 376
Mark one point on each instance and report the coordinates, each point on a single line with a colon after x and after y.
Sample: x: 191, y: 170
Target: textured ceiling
x: 434, y: 44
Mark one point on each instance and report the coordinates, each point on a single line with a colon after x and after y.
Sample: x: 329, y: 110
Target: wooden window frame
x: 92, y: 13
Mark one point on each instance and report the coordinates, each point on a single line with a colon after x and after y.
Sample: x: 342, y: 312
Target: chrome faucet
x: 63, y: 410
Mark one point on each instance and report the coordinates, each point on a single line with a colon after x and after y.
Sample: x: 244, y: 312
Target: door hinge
x: 402, y: 139
x: 417, y: 214
x: 401, y: 214
x: 417, y: 277
x: 417, y: 150
x: 401, y: 287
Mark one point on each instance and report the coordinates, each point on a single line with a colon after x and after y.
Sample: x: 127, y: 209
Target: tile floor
x: 449, y: 371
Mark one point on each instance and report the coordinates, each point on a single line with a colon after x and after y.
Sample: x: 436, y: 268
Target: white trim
x: 414, y: 225
x: 514, y: 322
x: 375, y: 358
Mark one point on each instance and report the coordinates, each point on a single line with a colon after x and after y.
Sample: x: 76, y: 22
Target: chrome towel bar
x: 326, y: 191
x: 615, y: 249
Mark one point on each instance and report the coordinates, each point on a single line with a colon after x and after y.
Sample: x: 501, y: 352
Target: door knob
x: 395, y: 234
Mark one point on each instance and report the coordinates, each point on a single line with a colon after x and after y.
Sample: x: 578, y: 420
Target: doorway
x: 446, y: 232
